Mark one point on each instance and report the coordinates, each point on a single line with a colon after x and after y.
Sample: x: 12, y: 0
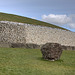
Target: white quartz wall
x: 12, y: 32
x: 41, y: 35
x: 26, y: 33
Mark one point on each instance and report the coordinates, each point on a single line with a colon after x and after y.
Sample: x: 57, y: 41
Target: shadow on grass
x: 42, y: 59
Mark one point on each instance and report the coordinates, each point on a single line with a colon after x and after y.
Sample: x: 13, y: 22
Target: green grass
x: 16, y: 18
x: 19, y: 61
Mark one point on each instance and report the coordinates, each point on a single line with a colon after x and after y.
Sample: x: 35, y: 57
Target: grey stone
x: 68, y: 47
x: 22, y: 45
x: 32, y: 46
x: 51, y: 51
x: 17, y: 45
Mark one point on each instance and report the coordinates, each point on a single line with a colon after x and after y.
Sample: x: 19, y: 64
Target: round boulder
x: 51, y: 51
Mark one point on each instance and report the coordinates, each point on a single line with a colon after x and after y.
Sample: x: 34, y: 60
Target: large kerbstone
x: 51, y: 51
x: 22, y: 45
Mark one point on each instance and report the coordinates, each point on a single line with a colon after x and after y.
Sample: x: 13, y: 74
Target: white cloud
x: 56, y: 19
x: 60, y: 20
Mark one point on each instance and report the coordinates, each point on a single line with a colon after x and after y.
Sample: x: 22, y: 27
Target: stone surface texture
x: 51, y: 51
x: 14, y: 32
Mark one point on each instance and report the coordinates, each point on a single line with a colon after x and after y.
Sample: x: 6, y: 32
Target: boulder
x: 17, y: 45
x: 51, y: 51
x: 22, y: 45
x: 68, y: 47
x: 32, y: 46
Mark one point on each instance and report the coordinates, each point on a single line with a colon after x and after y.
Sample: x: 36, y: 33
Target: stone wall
x: 13, y: 32
x: 41, y: 35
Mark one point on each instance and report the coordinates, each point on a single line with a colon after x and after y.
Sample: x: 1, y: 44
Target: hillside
x: 21, y: 19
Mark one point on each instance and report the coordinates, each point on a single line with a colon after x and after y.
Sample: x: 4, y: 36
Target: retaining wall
x: 41, y: 35
x: 13, y: 32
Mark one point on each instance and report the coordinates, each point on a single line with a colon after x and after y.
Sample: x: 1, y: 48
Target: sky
x: 57, y: 12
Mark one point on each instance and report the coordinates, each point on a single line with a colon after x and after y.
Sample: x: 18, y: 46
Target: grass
x: 19, y: 61
x: 21, y: 19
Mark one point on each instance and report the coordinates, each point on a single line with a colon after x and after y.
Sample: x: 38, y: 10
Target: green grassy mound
x: 17, y: 61
x: 16, y: 18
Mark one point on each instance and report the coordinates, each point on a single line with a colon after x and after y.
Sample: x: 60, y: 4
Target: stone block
x: 51, y: 51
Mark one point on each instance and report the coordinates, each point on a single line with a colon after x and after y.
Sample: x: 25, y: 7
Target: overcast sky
x: 58, y: 12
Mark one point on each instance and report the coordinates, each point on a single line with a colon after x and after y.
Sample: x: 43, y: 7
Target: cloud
x: 60, y: 20
x: 72, y: 25
x: 56, y: 19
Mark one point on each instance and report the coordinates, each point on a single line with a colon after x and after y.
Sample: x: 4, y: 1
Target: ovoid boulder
x: 51, y: 51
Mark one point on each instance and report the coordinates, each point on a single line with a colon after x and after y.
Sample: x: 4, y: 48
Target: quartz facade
x: 14, y: 32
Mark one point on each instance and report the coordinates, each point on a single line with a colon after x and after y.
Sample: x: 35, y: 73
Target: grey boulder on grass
x: 51, y: 51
